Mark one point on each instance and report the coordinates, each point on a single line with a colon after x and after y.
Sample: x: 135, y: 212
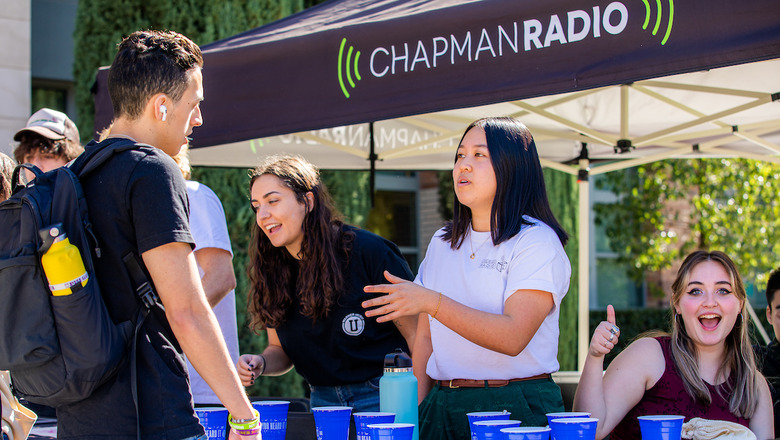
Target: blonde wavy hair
x: 739, y: 361
x: 6, y: 170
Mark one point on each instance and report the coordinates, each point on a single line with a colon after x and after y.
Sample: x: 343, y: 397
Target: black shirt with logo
x: 346, y: 347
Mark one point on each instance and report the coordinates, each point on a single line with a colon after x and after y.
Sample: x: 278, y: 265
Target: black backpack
x: 59, y: 349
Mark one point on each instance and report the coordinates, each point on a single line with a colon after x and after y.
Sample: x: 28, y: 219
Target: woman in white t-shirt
x: 491, y: 285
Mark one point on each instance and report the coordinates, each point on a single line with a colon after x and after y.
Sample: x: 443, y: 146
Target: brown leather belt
x: 493, y: 383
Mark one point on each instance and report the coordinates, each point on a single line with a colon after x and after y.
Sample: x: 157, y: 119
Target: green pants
x: 443, y: 412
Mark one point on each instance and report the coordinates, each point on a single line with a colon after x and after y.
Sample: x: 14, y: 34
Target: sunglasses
x: 43, y: 144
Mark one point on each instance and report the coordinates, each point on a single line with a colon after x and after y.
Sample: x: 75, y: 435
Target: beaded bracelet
x: 437, y: 307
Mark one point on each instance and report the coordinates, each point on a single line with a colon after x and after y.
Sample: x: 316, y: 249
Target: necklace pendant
x: 472, y: 255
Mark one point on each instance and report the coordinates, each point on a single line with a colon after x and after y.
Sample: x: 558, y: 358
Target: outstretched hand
x: 404, y: 298
x: 606, y: 335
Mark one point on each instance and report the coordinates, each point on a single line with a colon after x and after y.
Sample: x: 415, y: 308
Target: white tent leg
x: 583, y: 234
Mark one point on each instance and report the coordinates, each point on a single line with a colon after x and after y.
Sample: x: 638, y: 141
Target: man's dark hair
x: 147, y: 63
x: 772, y: 286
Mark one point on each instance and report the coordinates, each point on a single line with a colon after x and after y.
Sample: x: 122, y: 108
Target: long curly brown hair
x: 271, y: 269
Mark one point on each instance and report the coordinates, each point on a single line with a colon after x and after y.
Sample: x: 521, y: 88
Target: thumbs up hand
x: 605, y: 336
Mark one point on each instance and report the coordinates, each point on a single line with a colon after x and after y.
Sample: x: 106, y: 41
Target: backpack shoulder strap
x: 143, y: 288
x: 95, y: 157
x: 149, y: 299
x: 16, y: 182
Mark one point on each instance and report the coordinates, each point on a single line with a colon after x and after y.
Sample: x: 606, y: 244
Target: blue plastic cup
x: 485, y: 415
x: 363, y: 419
x: 491, y: 429
x: 391, y: 431
x: 214, y: 421
x: 661, y: 427
x: 526, y: 433
x: 332, y: 422
x: 574, y: 428
x: 561, y: 415
x: 273, y: 416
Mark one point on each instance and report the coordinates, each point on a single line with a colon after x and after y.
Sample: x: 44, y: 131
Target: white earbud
x: 164, y: 111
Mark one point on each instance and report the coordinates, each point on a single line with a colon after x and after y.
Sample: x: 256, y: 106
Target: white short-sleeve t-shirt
x: 209, y: 229
x: 533, y: 259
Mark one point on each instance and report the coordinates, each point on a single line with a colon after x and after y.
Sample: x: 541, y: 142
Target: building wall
x: 429, y: 216
x: 15, y: 32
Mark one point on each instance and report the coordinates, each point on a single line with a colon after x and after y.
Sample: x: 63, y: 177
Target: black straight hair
x: 772, y: 286
x: 520, y: 188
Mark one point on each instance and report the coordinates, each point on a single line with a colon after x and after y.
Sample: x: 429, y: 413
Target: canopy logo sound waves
x: 648, y: 12
x: 508, y: 39
x: 347, y: 66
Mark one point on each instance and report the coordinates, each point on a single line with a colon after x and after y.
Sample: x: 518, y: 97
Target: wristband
x: 253, y: 431
x: 245, y: 424
x: 262, y: 369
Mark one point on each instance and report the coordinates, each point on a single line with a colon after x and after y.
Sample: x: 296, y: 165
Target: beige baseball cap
x: 50, y: 124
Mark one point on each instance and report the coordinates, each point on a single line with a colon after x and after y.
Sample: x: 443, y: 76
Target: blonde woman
x: 705, y: 368
x: 6, y: 170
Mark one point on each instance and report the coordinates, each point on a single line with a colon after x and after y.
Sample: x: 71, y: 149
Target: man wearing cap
x: 49, y: 141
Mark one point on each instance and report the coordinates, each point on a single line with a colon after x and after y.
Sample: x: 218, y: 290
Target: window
x: 53, y: 98
x: 394, y: 215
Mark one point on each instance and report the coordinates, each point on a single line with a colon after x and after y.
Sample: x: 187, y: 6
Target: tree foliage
x: 667, y: 209
x: 563, y: 194
x: 349, y: 190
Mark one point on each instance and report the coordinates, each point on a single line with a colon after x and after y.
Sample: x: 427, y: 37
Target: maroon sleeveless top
x: 668, y: 397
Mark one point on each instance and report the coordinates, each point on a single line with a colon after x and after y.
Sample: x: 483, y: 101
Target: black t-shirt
x: 768, y: 360
x: 137, y: 201
x: 345, y: 347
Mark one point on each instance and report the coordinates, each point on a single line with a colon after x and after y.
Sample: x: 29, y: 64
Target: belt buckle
x: 451, y: 385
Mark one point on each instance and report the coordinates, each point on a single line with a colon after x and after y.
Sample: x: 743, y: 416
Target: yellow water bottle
x: 62, y: 262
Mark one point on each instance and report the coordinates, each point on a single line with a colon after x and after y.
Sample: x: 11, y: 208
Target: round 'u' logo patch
x: 353, y: 324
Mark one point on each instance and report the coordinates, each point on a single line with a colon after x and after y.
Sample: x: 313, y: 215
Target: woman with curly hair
x: 705, y: 368
x: 307, y: 272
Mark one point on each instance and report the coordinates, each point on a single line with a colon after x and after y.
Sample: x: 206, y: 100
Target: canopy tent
x: 576, y: 73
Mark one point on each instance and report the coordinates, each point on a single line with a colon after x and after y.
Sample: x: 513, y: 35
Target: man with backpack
x: 138, y: 206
